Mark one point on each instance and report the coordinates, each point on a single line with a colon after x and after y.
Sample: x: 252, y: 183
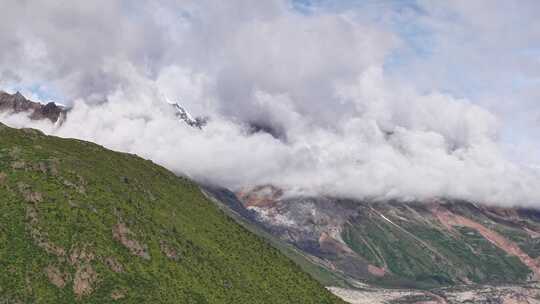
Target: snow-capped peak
x: 185, y: 116
x: 182, y: 113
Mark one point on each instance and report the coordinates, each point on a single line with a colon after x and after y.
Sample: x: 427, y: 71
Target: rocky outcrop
x: 183, y: 115
x: 17, y: 103
x: 56, y: 277
x: 126, y: 237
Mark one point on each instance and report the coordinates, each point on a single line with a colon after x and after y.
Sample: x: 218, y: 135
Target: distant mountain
x: 184, y: 116
x: 17, y: 103
x: 403, y: 244
x: 82, y: 224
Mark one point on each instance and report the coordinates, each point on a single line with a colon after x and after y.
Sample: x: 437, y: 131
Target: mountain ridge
x: 17, y: 103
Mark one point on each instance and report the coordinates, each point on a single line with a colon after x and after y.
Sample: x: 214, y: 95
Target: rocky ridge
x: 16, y: 103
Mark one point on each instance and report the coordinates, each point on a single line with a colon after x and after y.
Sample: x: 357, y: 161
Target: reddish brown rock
x: 56, y: 277
x: 126, y: 237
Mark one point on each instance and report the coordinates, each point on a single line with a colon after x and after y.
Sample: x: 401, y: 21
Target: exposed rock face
x: 56, y: 277
x: 85, y: 277
x: 126, y: 237
x: 260, y: 196
x: 17, y: 103
x: 183, y: 115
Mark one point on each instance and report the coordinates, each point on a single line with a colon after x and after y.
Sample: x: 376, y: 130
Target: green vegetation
x: 491, y: 264
x: 410, y: 262
x: 79, y: 223
x: 517, y: 228
x: 528, y: 244
x: 422, y: 254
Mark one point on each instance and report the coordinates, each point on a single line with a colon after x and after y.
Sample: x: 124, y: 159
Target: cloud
x: 351, y: 127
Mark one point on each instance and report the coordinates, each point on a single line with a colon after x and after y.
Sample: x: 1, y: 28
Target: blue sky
x: 487, y: 69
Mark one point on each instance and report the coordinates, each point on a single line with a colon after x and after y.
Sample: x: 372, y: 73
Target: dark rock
x: 17, y: 103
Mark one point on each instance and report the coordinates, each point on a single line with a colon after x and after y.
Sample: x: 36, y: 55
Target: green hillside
x: 419, y: 253
x: 79, y: 223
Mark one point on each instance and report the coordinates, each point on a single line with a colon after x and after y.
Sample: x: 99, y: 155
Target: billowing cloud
x: 349, y: 125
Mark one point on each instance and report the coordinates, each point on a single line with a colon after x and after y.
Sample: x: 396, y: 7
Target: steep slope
x: 403, y: 244
x: 79, y: 223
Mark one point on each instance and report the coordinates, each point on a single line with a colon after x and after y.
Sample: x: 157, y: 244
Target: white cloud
x: 351, y: 128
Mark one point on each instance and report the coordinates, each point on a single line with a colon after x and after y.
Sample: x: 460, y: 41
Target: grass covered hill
x: 80, y: 223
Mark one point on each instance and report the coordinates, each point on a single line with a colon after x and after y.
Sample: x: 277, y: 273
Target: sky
x: 406, y: 99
